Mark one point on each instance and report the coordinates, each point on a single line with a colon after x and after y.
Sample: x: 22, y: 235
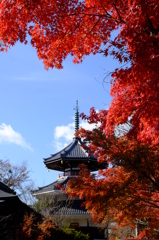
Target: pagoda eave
x: 62, y: 164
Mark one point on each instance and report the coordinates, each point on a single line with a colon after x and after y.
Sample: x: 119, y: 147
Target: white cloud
x: 63, y: 135
x: 87, y: 126
x: 7, y: 134
x: 66, y: 132
x: 60, y: 145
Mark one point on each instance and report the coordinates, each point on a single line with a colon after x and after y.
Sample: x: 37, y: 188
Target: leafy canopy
x: 127, y: 190
x: 33, y: 228
x: 62, y: 27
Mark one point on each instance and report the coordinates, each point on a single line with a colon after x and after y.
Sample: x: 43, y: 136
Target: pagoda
x: 67, y: 162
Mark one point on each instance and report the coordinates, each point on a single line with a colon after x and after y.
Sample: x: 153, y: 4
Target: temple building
x: 12, y: 212
x: 64, y: 210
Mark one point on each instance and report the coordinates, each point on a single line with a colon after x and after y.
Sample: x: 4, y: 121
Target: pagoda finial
x: 76, y: 117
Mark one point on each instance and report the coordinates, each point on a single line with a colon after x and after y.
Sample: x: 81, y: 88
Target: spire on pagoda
x: 68, y: 159
x: 76, y: 117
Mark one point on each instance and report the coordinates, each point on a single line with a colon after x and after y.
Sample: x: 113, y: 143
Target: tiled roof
x: 72, y: 207
x: 71, y: 157
x: 51, y: 187
x: 3, y: 195
x: 70, y: 211
x: 6, y: 192
x: 74, y: 150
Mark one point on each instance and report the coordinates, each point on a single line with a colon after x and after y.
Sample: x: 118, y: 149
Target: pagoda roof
x: 73, y: 150
x: 71, y: 156
x: 52, y: 187
x: 65, y: 208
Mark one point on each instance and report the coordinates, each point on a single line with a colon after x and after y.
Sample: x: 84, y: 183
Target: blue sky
x: 37, y: 106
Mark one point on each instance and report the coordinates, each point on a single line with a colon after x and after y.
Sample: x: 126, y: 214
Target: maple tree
x: 34, y: 227
x: 127, y: 190
x: 62, y: 27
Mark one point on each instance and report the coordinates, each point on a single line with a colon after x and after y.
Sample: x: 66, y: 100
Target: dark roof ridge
x: 71, y: 146
x: 52, y: 155
x: 61, y: 178
x: 5, y: 188
x: 52, y: 186
x: 67, y: 148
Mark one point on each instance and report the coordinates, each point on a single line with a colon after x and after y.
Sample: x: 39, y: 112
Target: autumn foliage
x: 128, y: 189
x: 39, y: 228
x: 62, y: 27
x: 34, y: 228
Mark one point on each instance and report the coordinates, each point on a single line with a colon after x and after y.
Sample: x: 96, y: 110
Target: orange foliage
x: 59, y: 28
x: 34, y: 228
x: 127, y: 191
x: 62, y: 27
